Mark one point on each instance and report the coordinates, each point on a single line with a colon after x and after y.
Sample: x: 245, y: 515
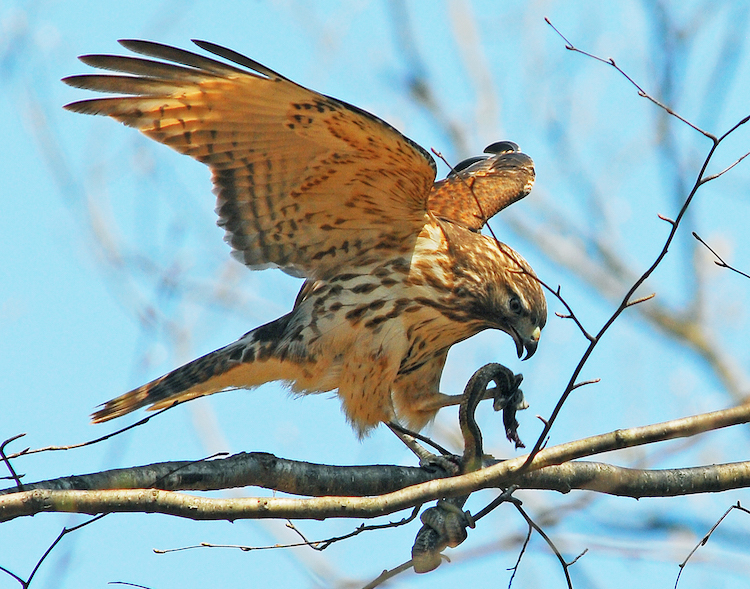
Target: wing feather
x: 473, y: 195
x: 303, y: 181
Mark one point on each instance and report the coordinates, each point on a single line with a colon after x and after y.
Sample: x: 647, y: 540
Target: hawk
x: 396, y: 268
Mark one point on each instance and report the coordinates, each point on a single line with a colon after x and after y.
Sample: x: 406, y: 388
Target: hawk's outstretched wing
x: 304, y: 182
x: 482, y: 186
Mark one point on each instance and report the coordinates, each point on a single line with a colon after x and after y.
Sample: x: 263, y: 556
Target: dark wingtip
x: 501, y: 147
x: 463, y: 164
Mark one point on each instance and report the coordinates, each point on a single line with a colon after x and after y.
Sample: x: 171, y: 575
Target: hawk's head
x: 497, y: 292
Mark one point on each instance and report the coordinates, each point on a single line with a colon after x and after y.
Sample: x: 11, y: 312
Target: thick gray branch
x: 553, y: 461
x: 257, y: 469
x: 574, y: 475
x: 628, y: 482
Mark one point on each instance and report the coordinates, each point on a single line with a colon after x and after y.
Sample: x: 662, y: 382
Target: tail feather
x: 251, y: 361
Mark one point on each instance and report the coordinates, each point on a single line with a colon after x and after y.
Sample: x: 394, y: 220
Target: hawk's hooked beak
x: 530, y: 344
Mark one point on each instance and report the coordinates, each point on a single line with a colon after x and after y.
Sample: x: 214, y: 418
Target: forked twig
x: 565, y: 565
x: 25, y: 584
x: 705, y: 538
x: 6, y: 460
x: 675, y: 224
x: 89, y: 442
x: 318, y: 545
x: 641, y: 92
x: 719, y: 260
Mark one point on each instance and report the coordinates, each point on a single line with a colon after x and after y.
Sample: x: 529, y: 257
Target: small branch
x: 640, y: 300
x: 565, y: 566
x: 583, y: 383
x: 90, y: 442
x: 571, y: 314
x: 323, y: 544
x: 732, y: 130
x: 725, y: 170
x: 399, y: 429
x: 520, y: 555
x: 504, y: 497
x: 318, y: 545
x: 624, y: 304
x: 641, y: 92
x: 719, y: 260
x: 65, y: 531
x: 14, y: 575
x: 610, y: 278
x: 6, y: 460
x: 705, y: 538
x: 386, y: 575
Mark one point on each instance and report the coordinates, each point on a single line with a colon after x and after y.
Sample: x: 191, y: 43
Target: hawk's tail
x: 246, y: 363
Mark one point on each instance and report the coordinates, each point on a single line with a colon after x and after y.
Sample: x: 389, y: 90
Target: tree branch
x: 591, y: 476
x: 675, y: 224
x: 258, y: 469
x: 602, y: 478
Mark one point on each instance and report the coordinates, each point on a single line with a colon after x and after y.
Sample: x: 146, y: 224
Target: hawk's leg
x: 445, y: 460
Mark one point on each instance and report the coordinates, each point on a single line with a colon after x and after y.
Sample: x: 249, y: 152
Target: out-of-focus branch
x: 419, y: 86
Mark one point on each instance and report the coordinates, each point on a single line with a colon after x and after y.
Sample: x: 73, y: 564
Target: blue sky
x: 114, y: 272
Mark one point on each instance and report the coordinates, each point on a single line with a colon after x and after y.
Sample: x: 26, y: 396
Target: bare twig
x: 399, y: 429
x: 26, y: 583
x: 514, y: 568
x: 641, y: 300
x: 504, y: 497
x: 565, y: 566
x: 641, y: 92
x: 583, y: 383
x: 611, y: 278
x: 705, y: 538
x: 719, y: 260
x: 388, y: 574
x: 626, y: 300
x: 729, y: 167
x: 6, y: 460
x: 318, y: 545
x: 90, y: 442
x: 571, y: 315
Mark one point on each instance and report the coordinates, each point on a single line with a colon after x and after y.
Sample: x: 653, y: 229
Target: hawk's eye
x: 515, y: 305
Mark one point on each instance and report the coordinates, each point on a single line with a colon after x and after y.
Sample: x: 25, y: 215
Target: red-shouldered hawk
x: 396, y: 268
